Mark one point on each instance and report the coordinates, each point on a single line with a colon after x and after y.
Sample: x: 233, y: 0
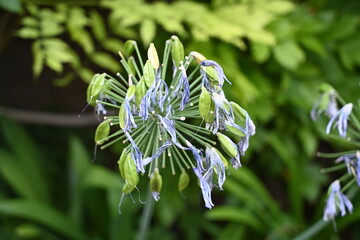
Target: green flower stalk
x: 172, y: 116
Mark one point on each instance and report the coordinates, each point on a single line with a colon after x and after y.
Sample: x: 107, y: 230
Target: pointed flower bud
x: 198, y: 56
x: 206, y: 106
x: 177, y: 51
x: 121, y: 162
x: 156, y: 184
x: 227, y: 145
x: 94, y: 88
x: 131, y: 175
x: 149, y: 74
x: 102, y: 131
x: 153, y: 56
x: 127, y: 188
x: 184, y: 180
x: 140, y: 91
x: 129, y: 46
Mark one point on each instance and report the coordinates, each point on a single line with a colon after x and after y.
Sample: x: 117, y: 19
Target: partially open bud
x: 184, y: 180
x: 131, y: 175
x: 121, y: 162
x: 149, y: 73
x: 211, y: 73
x: 234, y: 132
x: 140, y: 91
x: 177, y: 51
x: 227, y: 145
x: 156, y: 184
x: 223, y: 159
x: 153, y: 56
x: 102, y: 131
x: 197, y: 56
x: 206, y: 106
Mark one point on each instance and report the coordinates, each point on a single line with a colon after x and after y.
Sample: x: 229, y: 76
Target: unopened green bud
x: 197, y: 56
x: 129, y: 46
x: 131, y: 64
x: 140, y: 91
x: 122, y: 116
x: 206, y: 106
x: 155, y: 181
x: 177, y: 51
x: 131, y: 175
x: 95, y: 86
x: 127, y: 188
x: 149, y: 74
x: 234, y: 132
x: 184, y: 180
x: 227, y: 145
x: 131, y: 91
x: 121, y: 162
x: 240, y: 114
x: 153, y: 56
x: 102, y: 131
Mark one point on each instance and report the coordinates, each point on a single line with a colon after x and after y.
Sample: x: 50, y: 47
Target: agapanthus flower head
x: 340, y: 119
x: 336, y: 202
x: 159, y: 118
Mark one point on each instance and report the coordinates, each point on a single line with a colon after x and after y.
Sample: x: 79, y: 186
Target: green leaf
x: 38, y: 58
x: 85, y: 74
x: 64, y: 81
x: 105, y: 60
x: 260, y: 52
x: 28, y: 32
x: 15, y: 174
x: 44, y: 215
x: 289, y: 55
x: 147, y: 31
x: 26, y: 157
x: 102, y: 178
x: 98, y: 26
x: 240, y: 215
x: 11, y: 5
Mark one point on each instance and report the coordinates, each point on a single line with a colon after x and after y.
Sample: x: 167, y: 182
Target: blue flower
x: 358, y: 168
x: 157, y: 154
x: 223, y: 112
x: 248, y: 131
x: 348, y: 160
x: 336, y: 201
x: 206, y: 187
x: 342, y: 115
x: 326, y: 103
x: 214, y: 164
x: 197, y: 155
x: 136, y: 154
x: 186, y: 88
x: 129, y: 118
x: 218, y: 69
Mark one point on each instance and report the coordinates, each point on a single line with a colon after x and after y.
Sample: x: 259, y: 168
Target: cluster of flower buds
x: 338, y: 202
x: 170, y: 117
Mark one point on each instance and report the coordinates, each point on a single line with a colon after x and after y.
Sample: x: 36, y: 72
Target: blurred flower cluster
x: 343, y: 119
x: 170, y: 116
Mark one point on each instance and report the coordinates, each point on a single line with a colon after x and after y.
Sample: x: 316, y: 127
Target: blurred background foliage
x: 275, y: 53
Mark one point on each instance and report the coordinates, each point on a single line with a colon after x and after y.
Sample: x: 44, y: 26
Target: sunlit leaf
x: 289, y: 54
x: 147, y: 31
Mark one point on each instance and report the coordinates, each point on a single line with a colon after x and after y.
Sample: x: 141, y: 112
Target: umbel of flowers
x: 171, y: 117
x: 348, y: 128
